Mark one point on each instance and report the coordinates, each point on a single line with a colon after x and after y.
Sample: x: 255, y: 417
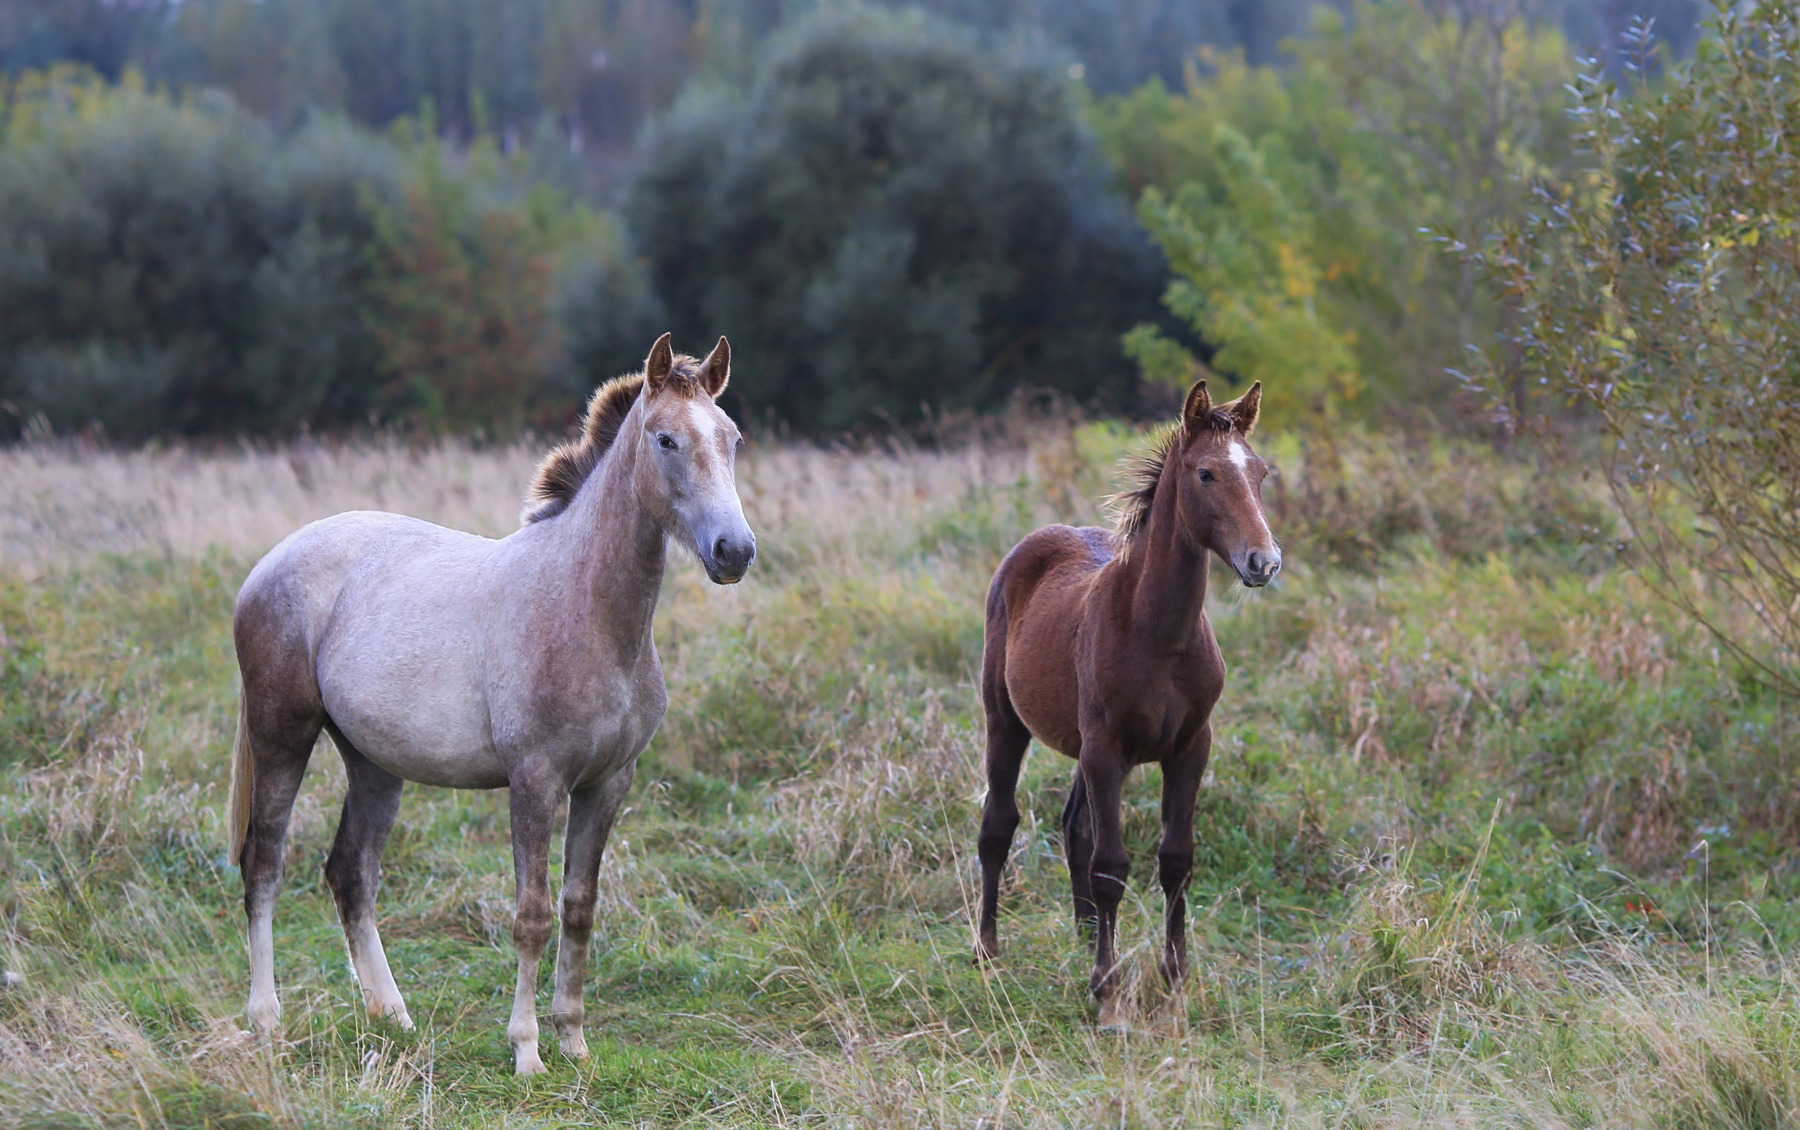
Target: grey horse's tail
x: 242, y: 775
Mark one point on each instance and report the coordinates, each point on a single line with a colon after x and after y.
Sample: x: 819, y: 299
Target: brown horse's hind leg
x: 1078, y: 849
x: 591, y: 814
x: 1175, y: 858
x: 1104, y: 770
x: 353, y: 872
x: 1007, y: 740
x: 281, y: 747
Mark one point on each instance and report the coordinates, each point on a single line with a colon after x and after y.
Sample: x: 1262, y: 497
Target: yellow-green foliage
x: 1291, y: 203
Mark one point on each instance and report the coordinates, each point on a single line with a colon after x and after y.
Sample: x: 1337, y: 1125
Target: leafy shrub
x: 891, y: 215
x: 460, y: 297
x: 1658, y: 289
x: 1290, y: 202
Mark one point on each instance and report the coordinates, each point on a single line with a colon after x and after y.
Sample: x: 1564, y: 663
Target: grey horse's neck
x: 615, y: 548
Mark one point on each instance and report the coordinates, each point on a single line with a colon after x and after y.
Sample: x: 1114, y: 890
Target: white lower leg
x: 380, y: 995
x: 565, y: 1007
x: 264, y: 1008
x: 522, y: 1030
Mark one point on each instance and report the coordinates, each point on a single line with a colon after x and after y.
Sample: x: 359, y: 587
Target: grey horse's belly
x: 418, y: 730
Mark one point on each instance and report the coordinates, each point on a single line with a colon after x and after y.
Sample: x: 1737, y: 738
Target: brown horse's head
x: 1219, y: 483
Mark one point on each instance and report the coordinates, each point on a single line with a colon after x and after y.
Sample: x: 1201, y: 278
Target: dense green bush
x: 173, y: 266
x: 170, y: 267
x: 892, y: 215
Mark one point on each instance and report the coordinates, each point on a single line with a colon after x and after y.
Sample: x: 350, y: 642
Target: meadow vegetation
x: 1492, y: 836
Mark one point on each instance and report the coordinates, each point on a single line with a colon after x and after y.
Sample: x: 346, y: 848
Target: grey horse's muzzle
x: 728, y: 557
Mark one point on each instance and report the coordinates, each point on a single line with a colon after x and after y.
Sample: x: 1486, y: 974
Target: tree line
x: 891, y: 211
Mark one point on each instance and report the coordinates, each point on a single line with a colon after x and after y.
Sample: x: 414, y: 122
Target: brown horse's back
x: 1034, y: 612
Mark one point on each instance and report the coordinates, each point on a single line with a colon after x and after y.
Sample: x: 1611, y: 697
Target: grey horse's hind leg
x: 591, y: 813
x: 353, y: 872
x: 533, y: 811
x: 281, y: 748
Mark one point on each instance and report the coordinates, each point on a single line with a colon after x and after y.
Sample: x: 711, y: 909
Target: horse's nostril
x: 720, y: 549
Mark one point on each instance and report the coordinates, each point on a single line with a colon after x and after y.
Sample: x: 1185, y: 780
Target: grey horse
x: 449, y: 659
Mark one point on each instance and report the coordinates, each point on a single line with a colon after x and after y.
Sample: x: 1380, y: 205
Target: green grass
x: 1490, y: 837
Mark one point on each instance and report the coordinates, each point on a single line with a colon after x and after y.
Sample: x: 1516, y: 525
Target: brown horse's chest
x: 1153, y: 710
x: 1150, y: 698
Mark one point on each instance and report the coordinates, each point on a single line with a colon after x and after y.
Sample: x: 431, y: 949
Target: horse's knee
x: 532, y: 925
x: 578, y: 916
x: 1108, y: 873
x: 1174, y: 869
x: 998, y: 823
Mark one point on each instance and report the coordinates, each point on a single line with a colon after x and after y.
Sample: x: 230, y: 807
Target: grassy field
x: 1489, y: 838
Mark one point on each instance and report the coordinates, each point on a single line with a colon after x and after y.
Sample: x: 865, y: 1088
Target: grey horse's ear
x: 715, y: 371
x: 1245, y: 409
x: 1197, y: 409
x: 657, y: 367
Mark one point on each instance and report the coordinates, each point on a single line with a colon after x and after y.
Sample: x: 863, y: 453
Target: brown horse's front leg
x: 591, y: 813
x: 1175, y: 858
x: 1103, y: 771
x: 533, y: 811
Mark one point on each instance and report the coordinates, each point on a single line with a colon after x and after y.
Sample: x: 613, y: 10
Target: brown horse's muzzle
x: 1258, y: 568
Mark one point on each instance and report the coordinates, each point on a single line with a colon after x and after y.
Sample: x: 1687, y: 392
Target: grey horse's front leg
x: 533, y: 811
x: 591, y: 814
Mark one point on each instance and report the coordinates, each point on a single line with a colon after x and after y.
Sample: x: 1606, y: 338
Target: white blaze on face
x: 703, y: 424
x: 707, y: 432
x: 1240, y: 458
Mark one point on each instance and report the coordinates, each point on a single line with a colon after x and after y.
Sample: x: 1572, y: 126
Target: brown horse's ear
x: 1198, y: 407
x: 1245, y: 409
x: 659, y: 364
x: 715, y: 371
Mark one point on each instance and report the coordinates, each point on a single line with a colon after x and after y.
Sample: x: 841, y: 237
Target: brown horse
x: 1098, y: 644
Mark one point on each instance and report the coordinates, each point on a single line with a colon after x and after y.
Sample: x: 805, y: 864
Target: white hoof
x: 265, y: 1014
x: 395, y: 1013
x: 575, y: 1045
x: 11, y: 980
x: 527, y: 1062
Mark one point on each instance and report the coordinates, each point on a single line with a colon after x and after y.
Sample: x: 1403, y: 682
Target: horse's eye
x: 666, y: 441
x: 1205, y: 475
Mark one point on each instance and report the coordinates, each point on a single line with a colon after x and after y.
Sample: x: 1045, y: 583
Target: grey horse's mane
x: 561, y: 472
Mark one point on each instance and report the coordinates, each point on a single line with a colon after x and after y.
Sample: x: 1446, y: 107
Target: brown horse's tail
x: 242, y: 776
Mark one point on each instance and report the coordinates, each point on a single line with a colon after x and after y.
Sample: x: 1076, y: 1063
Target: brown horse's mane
x: 561, y: 472
x: 1131, y: 506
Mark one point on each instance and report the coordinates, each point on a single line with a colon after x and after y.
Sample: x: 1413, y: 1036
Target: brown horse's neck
x: 1165, y: 573
x: 615, y: 547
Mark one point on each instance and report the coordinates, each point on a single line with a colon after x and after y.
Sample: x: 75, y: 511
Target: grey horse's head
x: 687, y: 455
